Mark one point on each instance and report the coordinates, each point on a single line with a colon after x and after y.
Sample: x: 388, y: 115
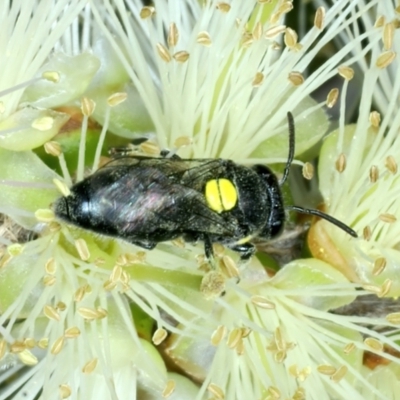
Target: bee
x: 147, y: 200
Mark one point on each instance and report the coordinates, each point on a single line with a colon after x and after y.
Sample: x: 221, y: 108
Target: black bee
x: 146, y: 200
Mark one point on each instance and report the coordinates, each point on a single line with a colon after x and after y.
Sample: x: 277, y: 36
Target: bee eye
x: 221, y: 194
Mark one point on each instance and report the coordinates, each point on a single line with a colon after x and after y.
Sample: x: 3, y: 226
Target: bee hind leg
x: 169, y: 154
x: 143, y: 243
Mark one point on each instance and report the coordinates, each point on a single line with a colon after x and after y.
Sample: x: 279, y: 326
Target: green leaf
x: 311, y: 273
x: 25, y: 186
x: 309, y: 130
x: 29, y: 128
x: 72, y: 77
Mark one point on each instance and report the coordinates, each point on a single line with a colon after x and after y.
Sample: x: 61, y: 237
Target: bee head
x: 276, y: 219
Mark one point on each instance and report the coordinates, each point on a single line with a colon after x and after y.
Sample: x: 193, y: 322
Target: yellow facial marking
x: 221, y: 194
x: 245, y: 239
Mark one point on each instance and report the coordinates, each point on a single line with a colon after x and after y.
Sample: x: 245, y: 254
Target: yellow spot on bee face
x: 221, y: 195
x: 245, y: 239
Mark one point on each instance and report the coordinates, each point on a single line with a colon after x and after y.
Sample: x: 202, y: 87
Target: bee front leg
x: 246, y: 251
x: 208, y: 244
x: 209, y: 251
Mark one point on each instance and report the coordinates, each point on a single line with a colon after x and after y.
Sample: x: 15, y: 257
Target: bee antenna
x: 291, y: 148
x: 327, y: 217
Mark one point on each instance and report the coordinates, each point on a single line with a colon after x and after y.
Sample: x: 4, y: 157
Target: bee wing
x: 189, y: 171
x: 192, y: 214
x: 188, y: 208
x: 201, y: 171
x: 166, y: 164
x: 182, y: 206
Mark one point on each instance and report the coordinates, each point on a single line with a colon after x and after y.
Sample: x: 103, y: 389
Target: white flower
x: 358, y: 168
x: 224, y: 76
x: 30, y: 34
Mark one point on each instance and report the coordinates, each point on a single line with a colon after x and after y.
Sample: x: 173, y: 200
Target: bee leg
x: 169, y: 154
x: 246, y: 251
x: 142, y: 243
x: 208, y: 250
